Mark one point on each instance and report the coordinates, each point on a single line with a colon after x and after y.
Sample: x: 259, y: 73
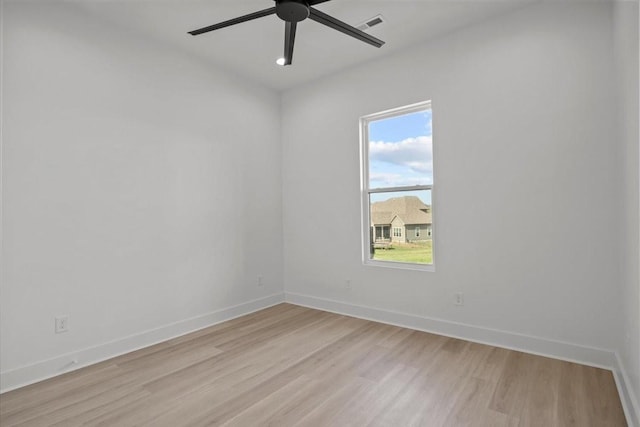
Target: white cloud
x: 385, y: 178
x: 413, y: 153
x: 382, y: 179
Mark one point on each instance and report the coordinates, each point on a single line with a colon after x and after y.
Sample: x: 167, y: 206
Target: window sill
x: 400, y: 265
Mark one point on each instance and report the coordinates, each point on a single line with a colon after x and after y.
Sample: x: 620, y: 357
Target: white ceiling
x: 251, y: 48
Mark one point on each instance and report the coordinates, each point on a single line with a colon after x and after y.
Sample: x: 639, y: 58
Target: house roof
x: 378, y: 217
x: 409, y: 209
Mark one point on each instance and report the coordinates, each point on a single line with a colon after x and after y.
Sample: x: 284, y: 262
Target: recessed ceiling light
x: 280, y: 61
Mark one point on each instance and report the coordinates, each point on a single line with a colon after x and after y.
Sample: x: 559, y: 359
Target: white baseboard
x: 25, y: 375
x: 628, y: 398
x: 535, y: 345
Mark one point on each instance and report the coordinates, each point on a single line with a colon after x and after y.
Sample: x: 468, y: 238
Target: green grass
x: 419, y: 253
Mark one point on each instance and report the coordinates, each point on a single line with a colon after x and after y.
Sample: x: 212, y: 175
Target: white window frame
x: 366, y: 191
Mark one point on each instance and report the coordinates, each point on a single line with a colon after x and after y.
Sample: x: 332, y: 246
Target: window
x: 382, y: 233
x: 397, y: 186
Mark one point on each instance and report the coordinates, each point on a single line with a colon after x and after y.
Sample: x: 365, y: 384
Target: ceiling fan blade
x: 289, y: 39
x: 312, y: 2
x: 330, y: 21
x: 234, y: 21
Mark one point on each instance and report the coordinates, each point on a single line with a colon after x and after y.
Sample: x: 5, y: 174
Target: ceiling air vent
x: 372, y: 22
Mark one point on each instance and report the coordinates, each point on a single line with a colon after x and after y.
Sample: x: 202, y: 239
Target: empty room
x: 320, y: 213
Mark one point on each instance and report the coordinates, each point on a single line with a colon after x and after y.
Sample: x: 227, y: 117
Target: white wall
x: 140, y: 189
x: 626, y: 49
x: 525, y: 173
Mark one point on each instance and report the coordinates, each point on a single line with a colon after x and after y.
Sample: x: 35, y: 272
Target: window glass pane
x: 400, y: 226
x: 400, y: 151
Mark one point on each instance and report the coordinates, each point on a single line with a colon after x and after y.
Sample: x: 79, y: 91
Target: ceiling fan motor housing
x: 292, y: 10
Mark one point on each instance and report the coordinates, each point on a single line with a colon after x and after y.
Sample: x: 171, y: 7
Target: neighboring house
x: 401, y: 219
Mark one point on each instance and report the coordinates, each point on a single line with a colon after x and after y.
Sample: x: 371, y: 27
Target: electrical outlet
x: 458, y: 298
x: 62, y: 324
x: 347, y: 285
x: 260, y: 283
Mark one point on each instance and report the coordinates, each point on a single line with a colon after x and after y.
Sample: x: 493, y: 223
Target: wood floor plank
x: 570, y: 410
x: 184, y: 379
x: 363, y: 410
x: 303, y: 401
x: 175, y: 358
x: 447, y: 384
x: 79, y: 412
x: 416, y: 349
x: 490, y: 369
x: 600, y: 387
x: 267, y: 373
x: 587, y: 397
x: 542, y: 394
x: 294, y: 366
x: 470, y: 403
x: 275, y: 406
x: 512, y: 388
x: 422, y: 391
x: 86, y: 415
x: 49, y: 389
x: 61, y: 399
x: 322, y: 414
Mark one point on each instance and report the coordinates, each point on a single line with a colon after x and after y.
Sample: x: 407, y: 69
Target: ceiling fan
x: 292, y: 12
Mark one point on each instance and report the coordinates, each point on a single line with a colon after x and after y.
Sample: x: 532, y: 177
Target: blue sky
x: 400, y: 153
x: 401, y: 127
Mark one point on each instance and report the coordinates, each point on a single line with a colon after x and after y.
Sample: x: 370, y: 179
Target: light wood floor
x: 289, y: 365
